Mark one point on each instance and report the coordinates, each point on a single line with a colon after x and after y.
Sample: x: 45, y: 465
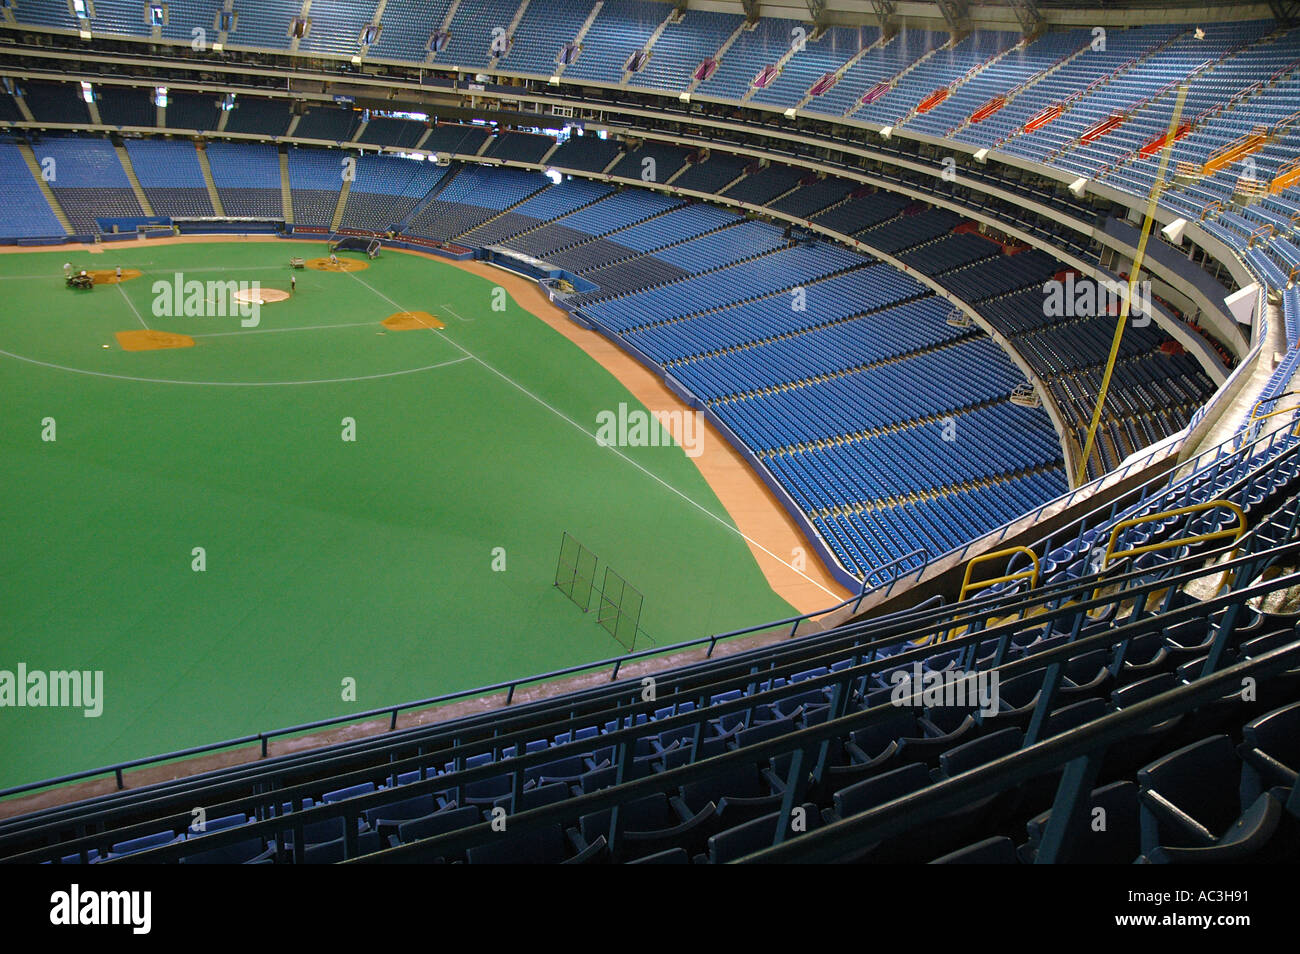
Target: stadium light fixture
x: 1078, y: 187
x: 886, y: 132
x: 684, y: 97
x: 1174, y: 231
x: 356, y: 59
x: 789, y: 113
x: 554, y: 81
x: 982, y: 155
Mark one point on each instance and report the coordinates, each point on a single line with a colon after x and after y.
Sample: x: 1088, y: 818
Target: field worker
x: 293, y: 284
x: 119, y: 274
x: 67, y: 269
x: 334, y: 259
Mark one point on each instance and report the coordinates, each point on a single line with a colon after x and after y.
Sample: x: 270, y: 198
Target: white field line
x: 564, y: 417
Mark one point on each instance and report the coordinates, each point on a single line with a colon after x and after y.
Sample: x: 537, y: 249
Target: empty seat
x: 1191, y: 807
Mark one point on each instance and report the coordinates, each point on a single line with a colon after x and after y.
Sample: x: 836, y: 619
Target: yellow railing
x: 1256, y: 416
x: 967, y: 584
x: 1233, y: 532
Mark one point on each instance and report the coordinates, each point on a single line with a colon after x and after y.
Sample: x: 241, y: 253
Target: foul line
x: 132, y: 305
x: 560, y: 414
x: 450, y: 310
x: 231, y: 384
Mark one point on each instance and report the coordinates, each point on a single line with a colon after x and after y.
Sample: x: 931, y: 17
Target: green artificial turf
x: 325, y: 559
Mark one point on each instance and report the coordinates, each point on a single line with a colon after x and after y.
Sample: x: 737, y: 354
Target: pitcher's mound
x: 342, y: 265
x: 260, y: 296
x: 411, y: 320
x: 108, y: 276
x: 142, y: 340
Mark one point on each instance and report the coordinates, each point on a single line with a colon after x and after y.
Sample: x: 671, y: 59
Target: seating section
x: 457, y: 138
x: 327, y: 123
x: 665, y: 161
x: 169, y: 173
x: 815, y: 59
x: 88, y: 181
x: 472, y: 31
x: 621, y: 28
x: 550, y: 203
x: 520, y: 147
x: 820, y: 363
x: 387, y: 189
x: 315, y: 178
x: 27, y: 214
x: 585, y: 153
x: 935, y: 73
x: 197, y: 111
x: 408, y: 27
x: 56, y: 103
x: 682, y: 47
x: 125, y: 106
x: 261, y: 117
x: 247, y: 177
x: 712, y: 174
x: 473, y: 195
x: 542, y: 32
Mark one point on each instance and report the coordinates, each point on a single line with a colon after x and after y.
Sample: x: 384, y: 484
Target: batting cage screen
x: 620, y: 609
x: 575, y: 571
x: 355, y: 243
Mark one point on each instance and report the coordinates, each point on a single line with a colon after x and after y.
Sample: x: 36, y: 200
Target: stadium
x: 630, y: 431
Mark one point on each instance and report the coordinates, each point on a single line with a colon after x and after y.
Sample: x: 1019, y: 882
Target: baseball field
x: 248, y: 524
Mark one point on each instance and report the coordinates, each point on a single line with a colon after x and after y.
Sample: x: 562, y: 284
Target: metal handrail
x: 1234, y: 532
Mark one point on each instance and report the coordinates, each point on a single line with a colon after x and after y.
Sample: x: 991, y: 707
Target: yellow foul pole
x: 1134, y: 272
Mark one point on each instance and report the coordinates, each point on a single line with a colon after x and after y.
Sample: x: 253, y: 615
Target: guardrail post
x: 1069, y: 810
